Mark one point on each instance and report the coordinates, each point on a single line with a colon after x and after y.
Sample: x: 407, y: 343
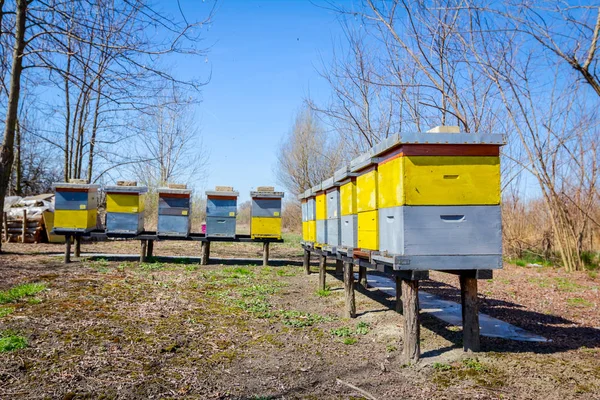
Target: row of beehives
x: 422, y: 198
x: 76, y: 210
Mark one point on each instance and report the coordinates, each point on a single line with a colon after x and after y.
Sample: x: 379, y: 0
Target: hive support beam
x: 77, y: 246
x: 205, y: 256
x: 24, y: 229
x: 470, y: 311
x: 398, y: 295
x: 350, y: 311
x: 306, y: 262
x: 362, y: 276
x: 339, y: 267
x: 67, y: 249
x: 143, y: 250
x: 412, y: 330
x: 322, y: 267
x: 150, y: 249
x: 265, y: 254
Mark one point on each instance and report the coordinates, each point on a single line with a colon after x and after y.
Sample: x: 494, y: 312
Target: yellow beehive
x: 367, y: 235
x: 312, y: 231
x: 439, y: 180
x: 321, y: 206
x: 266, y: 227
x: 368, y: 230
x: 75, y: 219
x: 366, y: 190
x: 125, y: 202
x: 348, y: 198
x: 76, y: 207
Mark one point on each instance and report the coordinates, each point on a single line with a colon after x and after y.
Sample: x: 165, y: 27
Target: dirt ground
x: 124, y: 330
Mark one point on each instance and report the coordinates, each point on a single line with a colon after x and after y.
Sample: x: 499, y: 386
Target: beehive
x: 320, y: 215
x: 221, y: 212
x: 174, y: 210
x: 75, y: 207
x: 348, y: 216
x: 309, y: 223
x: 266, y: 213
x: 365, y: 166
x: 332, y: 211
x: 125, y: 209
x: 438, y: 196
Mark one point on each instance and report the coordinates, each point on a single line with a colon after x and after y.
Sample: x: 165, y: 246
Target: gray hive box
x: 174, y: 210
x: 221, y: 212
x: 332, y: 193
x: 125, y: 209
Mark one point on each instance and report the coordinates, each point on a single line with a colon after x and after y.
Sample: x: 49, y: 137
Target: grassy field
x: 102, y: 329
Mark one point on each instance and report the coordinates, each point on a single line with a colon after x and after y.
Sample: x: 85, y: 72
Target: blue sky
x: 264, y: 58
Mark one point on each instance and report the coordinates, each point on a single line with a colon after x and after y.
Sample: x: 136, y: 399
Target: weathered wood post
x: 143, y: 250
x: 5, y: 226
x: 265, y: 254
x: 339, y: 267
x: 322, y: 271
x: 150, y: 249
x: 306, y: 261
x: 412, y: 329
x: 67, y: 249
x: 350, y: 311
x: 398, y: 295
x: 362, y: 276
x: 205, y: 253
x: 24, y: 229
x: 77, y: 245
x: 470, y: 311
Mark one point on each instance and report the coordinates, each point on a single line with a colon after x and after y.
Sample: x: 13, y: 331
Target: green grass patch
x: 530, y: 258
x: 324, y: 292
x: 4, y: 311
x: 592, y: 274
x: 285, y: 272
x: 20, y: 291
x: 474, y: 365
x: 292, y: 239
x: 99, y: 265
x: 151, y: 266
x: 258, y: 290
x: 350, y: 340
x: 441, y: 366
x: 362, y: 328
x: 10, y: 341
x: 541, y: 282
x: 298, y: 319
x: 565, y: 285
x: 579, y: 302
x: 342, y: 332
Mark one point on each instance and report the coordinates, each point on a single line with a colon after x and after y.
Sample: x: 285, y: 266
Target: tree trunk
x: 12, y: 107
x: 93, y: 137
x: 18, y: 166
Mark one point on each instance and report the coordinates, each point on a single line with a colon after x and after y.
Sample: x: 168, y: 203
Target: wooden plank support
x: 322, y: 271
x: 398, y: 294
x: 350, y: 311
x: 339, y: 267
x: 24, y: 229
x: 265, y: 254
x: 362, y: 276
x: 143, y: 250
x: 77, y: 245
x: 412, y: 329
x: 306, y: 261
x: 470, y: 311
x: 150, y: 249
x: 67, y: 249
x: 205, y: 253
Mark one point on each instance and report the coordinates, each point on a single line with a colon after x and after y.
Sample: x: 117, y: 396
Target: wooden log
x: 205, y: 253
x: 143, y: 250
x: 67, y: 249
x: 322, y: 270
x: 265, y: 254
x: 350, y: 311
x: 470, y: 311
x: 5, y: 223
x: 150, y: 249
x: 398, y: 294
x: 412, y: 329
x: 77, y: 246
x: 362, y: 276
x: 339, y: 267
x: 306, y: 261
x: 24, y: 229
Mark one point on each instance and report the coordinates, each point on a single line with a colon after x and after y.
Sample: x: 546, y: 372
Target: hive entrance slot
x: 452, y: 218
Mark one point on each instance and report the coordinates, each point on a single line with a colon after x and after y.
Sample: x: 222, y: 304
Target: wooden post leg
x: 470, y: 311
x: 362, y: 276
x: 339, y: 267
x: 5, y: 225
x: 205, y: 256
x: 306, y: 261
x: 350, y: 311
x: 150, y: 249
x: 412, y: 329
x: 322, y: 266
x: 265, y: 254
x: 24, y: 229
x: 143, y: 249
x: 398, y: 295
x: 67, y: 249
x: 77, y: 246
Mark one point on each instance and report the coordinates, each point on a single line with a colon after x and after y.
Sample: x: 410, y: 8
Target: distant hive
x: 174, y: 210
x: 221, y: 212
x: 125, y: 205
x: 75, y: 207
x: 266, y: 213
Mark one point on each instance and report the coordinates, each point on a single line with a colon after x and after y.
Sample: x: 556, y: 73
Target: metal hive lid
x: 266, y: 194
x: 437, y: 138
x: 174, y: 191
x: 126, y: 189
x: 343, y: 173
x: 316, y: 189
x: 364, y: 160
x: 214, y: 193
x: 329, y: 183
x: 308, y: 193
x: 66, y: 185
